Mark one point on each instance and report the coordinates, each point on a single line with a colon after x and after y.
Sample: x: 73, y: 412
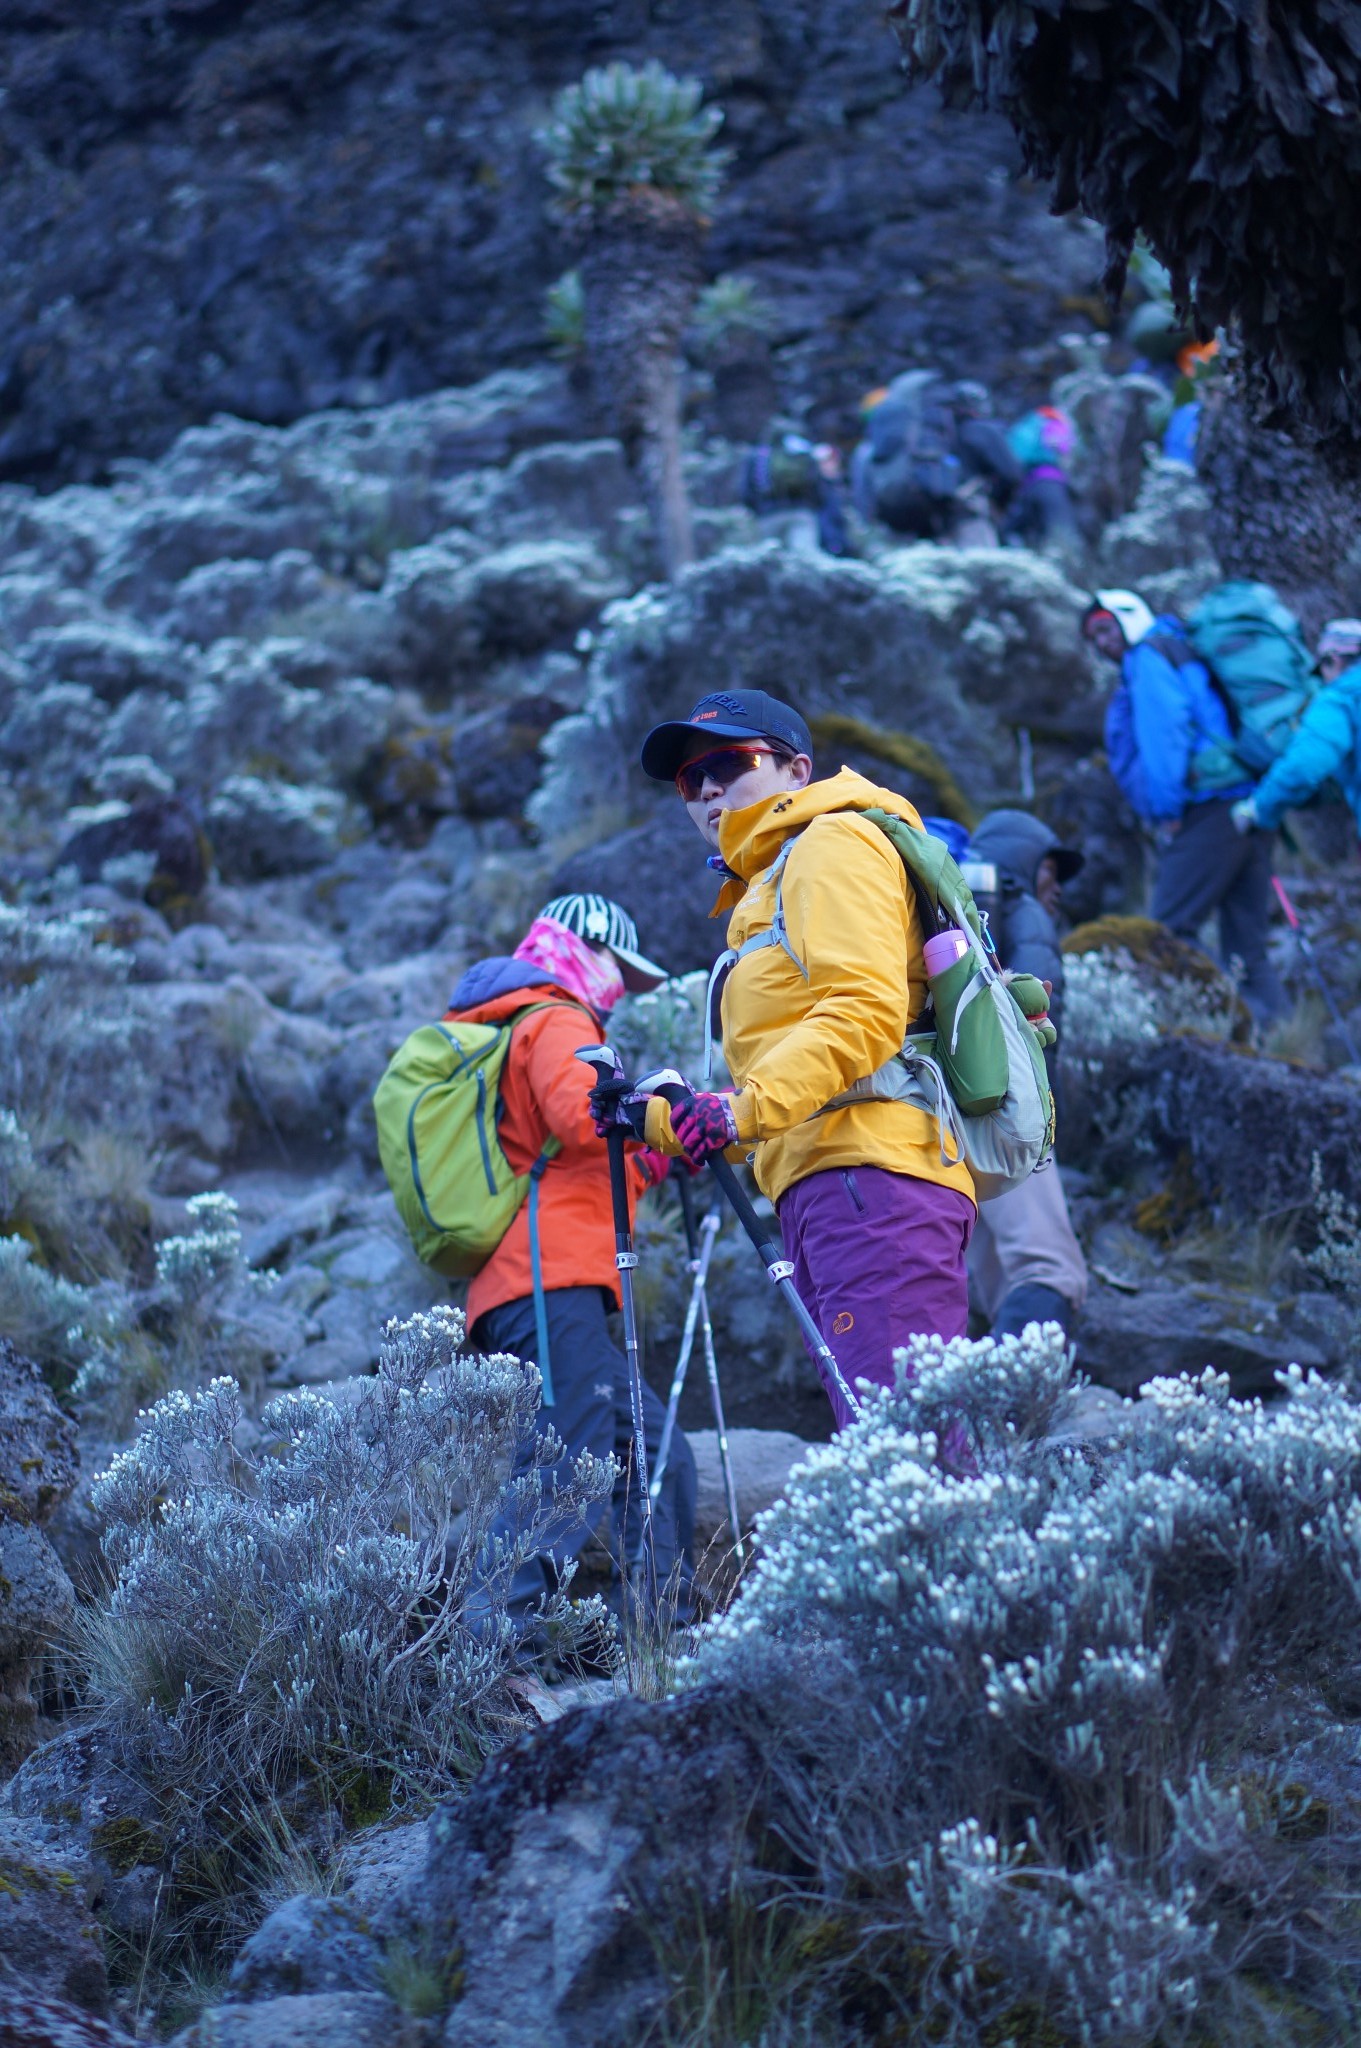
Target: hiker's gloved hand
x: 1244, y: 815
x: 703, y: 1125
x: 613, y: 1103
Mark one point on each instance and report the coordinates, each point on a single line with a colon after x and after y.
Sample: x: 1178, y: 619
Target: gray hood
x: 1016, y: 843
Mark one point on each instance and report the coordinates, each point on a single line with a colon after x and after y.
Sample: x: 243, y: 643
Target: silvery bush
x: 1076, y: 1732
x: 309, y: 1616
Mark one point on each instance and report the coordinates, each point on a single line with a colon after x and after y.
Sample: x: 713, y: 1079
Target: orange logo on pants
x: 843, y: 1323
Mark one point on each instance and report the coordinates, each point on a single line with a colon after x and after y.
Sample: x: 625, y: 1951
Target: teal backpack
x: 1255, y: 650
x: 975, y: 1064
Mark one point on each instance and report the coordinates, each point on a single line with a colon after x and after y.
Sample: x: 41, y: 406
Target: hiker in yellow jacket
x: 875, y: 1222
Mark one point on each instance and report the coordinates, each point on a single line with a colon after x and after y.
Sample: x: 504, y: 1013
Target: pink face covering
x: 593, y: 978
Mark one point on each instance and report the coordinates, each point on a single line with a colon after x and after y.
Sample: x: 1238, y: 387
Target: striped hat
x: 606, y: 923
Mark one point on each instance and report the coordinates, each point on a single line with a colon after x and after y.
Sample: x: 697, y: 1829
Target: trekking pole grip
x: 674, y: 1094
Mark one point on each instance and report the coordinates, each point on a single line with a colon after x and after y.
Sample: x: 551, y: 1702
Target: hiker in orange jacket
x: 577, y: 959
x: 875, y: 1220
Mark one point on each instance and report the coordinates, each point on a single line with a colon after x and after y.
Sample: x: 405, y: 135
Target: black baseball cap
x: 724, y: 715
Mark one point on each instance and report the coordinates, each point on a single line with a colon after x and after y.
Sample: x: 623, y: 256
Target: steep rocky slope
x: 294, y: 204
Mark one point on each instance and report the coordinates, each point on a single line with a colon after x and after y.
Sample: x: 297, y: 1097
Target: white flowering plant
x: 311, y: 1616
x: 1074, y: 1728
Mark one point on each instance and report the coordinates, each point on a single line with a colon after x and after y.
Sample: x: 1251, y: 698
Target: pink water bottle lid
x: 942, y: 951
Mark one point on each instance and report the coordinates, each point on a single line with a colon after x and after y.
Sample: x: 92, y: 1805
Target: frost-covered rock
x: 838, y: 637
x: 49, y: 1938
x: 261, y: 827
x: 461, y: 610
x: 112, y: 657
x: 37, y: 1471
x: 235, y: 599
x: 325, y: 2019
x: 305, y: 1946
x: 1162, y: 546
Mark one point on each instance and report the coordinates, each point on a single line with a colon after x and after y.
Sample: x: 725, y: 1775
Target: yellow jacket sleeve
x: 853, y: 925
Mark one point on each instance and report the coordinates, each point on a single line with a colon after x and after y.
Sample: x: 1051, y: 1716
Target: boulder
x: 164, y: 828
x: 112, y: 657
x: 461, y: 611
x: 1011, y: 619
x: 837, y: 637
x: 762, y: 1460
x: 582, y: 488
x: 38, y: 1460
x: 226, y: 599
x: 1254, y: 1125
x: 49, y: 1937
x: 262, y: 827
x: 328, y: 2019
x: 29, y: 2019
x: 192, y: 1036
x: 1126, y: 1339
x: 573, y: 1853
x: 38, y: 1465
x: 305, y: 1946
x: 1165, y: 534
x: 51, y: 736
x: 496, y: 756
x: 657, y: 871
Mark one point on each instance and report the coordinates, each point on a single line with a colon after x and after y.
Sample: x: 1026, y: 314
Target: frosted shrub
x: 66, y: 1038
x: 303, y: 1624
x: 51, y: 1320
x: 201, y: 1318
x: 1076, y: 1731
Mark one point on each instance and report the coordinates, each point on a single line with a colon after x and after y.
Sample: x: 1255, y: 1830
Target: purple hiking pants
x: 878, y: 1257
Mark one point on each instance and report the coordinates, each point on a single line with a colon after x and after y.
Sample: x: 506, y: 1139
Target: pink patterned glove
x: 704, y: 1124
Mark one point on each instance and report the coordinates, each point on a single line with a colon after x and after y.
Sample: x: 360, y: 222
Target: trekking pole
x: 1305, y: 944
x: 698, y: 1311
x: 609, y: 1067
x: 675, y: 1089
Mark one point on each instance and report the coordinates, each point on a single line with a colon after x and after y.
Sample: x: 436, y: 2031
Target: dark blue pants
x: 592, y: 1412
x: 1209, y: 867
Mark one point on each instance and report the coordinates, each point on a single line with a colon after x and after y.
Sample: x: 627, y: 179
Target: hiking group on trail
x: 1218, y: 725
x: 886, y: 1015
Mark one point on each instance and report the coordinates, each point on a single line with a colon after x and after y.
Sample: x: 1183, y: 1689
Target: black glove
x: 612, y: 1103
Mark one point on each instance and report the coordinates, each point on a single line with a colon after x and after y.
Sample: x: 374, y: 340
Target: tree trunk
x: 1281, y: 512
x: 639, y: 273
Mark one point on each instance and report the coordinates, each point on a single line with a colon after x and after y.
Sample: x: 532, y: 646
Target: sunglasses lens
x: 723, y: 767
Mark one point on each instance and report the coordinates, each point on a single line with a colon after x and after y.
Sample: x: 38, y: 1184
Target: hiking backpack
x: 914, y: 468
x: 782, y: 472
x: 1261, y: 669
x: 437, y: 1108
x: 973, y: 1063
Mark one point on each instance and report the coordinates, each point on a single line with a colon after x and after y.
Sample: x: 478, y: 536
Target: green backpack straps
x: 437, y: 1112
x: 981, y: 1075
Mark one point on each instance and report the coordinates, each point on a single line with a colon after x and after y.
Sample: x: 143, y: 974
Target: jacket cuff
x: 744, y: 1115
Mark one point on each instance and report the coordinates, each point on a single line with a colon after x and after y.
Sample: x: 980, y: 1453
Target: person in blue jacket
x: 1326, y: 744
x: 1169, y: 742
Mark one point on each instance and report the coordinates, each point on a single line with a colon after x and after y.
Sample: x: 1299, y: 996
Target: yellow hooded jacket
x: 793, y: 1043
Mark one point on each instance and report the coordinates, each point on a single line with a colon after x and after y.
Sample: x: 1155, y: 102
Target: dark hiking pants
x: 591, y: 1412
x: 1208, y: 866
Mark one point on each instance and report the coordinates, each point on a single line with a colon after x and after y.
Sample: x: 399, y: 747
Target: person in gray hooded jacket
x: 1025, y: 1263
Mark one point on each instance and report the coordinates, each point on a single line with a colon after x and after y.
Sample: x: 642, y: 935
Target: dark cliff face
x: 275, y: 207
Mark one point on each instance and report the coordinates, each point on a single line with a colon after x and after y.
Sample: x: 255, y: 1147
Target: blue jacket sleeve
x: 1321, y: 744
x: 1162, y: 730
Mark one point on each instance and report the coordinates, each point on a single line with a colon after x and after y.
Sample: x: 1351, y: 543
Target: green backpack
x: 980, y: 1074
x: 437, y: 1108
x: 1259, y: 660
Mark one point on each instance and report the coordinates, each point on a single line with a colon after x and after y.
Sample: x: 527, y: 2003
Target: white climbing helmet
x: 1128, y: 609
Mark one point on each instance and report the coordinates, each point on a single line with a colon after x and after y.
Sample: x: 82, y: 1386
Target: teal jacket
x: 1327, y: 742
